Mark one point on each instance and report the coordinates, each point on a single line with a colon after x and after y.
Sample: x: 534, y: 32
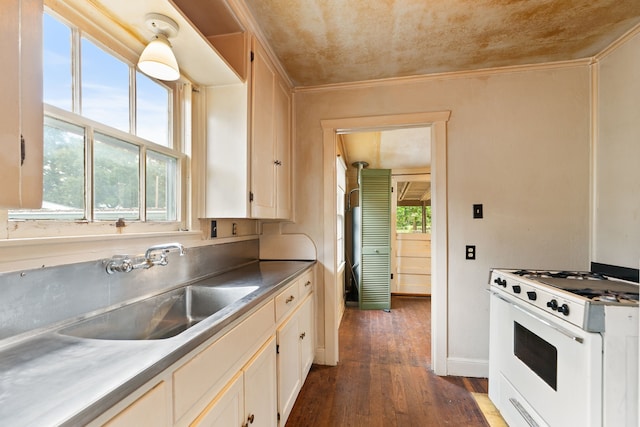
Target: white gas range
x: 563, y: 348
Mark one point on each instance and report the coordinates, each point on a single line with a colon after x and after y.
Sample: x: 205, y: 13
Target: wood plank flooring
x: 384, y: 377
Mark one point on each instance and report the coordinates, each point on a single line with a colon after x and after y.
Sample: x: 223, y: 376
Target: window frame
x: 126, y: 51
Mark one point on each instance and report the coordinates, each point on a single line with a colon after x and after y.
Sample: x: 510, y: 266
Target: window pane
x: 409, y: 219
x: 161, y: 187
x: 63, y: 174
x: 152, y: 115
x: 105, y: 87
x: 56, y: 63
x: 116, y: 179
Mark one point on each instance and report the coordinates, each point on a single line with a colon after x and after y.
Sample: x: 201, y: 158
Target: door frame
x: 439, y: 299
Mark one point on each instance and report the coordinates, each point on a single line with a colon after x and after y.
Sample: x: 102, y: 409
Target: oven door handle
x: 533, y: 316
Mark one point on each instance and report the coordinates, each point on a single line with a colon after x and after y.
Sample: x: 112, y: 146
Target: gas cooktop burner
x: 579, y: 275
x: 588, y: 285
x: 606, y: 295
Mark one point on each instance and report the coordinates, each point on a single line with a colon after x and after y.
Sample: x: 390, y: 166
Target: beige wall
x: 518, y: 142
x: 616, y: 236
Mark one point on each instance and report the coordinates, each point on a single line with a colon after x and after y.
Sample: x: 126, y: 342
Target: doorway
x: 437, y: 121
x: 406, y: 154
x: 411, y: 233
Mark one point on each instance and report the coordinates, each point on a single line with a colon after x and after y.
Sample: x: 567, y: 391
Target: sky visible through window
x: 74, y: 146
x: 152, y: 105
x: 104, y: 86
x: 57, y: 63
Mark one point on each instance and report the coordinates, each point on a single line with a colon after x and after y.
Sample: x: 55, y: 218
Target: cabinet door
x: 149, y: 410
x: 260, y: 389
x: 227, y: 409
x: 227, y: 153
x: 263, y: 162
x: 306, y: 336
x: 282, y: 125
x: 289, y: 382
x: 21, y: 105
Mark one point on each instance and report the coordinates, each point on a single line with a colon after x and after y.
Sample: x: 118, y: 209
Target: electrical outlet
x: 477, y: 211
x: 214, y: 229
x: 470, y: 252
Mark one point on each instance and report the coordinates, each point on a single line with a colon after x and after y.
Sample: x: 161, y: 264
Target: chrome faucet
x: 124, y: 264
x: 165, y: 248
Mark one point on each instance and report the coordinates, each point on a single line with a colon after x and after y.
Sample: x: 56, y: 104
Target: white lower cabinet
x: 149, y: 410
x: 260, y: 392
x: 288, y: 367
x: 295, y: 356
x: 249, y: 399
x: 307, y: 344
x: 248, y: 377
x: 227, y: 409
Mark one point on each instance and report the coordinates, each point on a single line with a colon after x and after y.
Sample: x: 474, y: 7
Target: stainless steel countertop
x: 54, y: 379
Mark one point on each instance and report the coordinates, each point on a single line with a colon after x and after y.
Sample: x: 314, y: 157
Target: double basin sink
x: 161, y: 316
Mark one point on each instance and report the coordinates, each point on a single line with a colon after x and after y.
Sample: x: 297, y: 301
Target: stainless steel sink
x: 162, y: 316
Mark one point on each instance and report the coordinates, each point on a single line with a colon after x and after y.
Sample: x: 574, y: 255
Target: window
x: 413, y: 203
x: 413, y: 219
x: 108, y: 151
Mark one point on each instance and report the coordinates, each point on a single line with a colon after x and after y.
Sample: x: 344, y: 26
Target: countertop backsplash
x: 38, y: 299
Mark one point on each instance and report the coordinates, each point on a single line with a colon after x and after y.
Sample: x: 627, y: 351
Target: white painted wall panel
x: 518, y: 143
x: 616, y: 238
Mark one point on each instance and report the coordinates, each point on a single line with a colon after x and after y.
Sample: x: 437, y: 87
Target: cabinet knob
x: 302, y: 335
x: 308, y: 283
x: 277, y: 162
x: 251, y: 418
x: 288, y: 300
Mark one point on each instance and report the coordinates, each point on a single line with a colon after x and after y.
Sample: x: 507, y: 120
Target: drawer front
x: 305, y: 283
x: 212, y: 368
x: 287, y: 300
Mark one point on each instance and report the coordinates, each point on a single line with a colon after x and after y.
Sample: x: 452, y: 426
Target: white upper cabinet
x: 21, y: 111
x: 270, y: 140
x: 247, y: 124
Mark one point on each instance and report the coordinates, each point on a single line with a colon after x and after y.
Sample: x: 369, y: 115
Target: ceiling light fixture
x: 157, y: 59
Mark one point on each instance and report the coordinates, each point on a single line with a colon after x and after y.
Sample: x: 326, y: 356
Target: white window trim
x: 121, y: 44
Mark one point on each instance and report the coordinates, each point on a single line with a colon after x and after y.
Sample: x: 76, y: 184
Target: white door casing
x: 438, y: 123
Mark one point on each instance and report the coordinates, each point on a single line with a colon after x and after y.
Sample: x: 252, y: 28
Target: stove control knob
x: 564, y: 309
x: 516, y: 289
x: 501, y: 282
x: 532, y: 295
x: 553, y: 305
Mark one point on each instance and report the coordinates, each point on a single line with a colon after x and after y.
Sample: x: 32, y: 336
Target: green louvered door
x: 375, y: 204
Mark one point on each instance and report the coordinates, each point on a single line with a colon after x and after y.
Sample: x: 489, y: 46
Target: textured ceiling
x: 335, y: 41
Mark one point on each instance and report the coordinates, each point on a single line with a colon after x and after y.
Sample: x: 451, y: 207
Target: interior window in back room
x: 413, y: 206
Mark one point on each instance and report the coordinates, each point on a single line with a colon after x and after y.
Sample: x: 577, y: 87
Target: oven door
x: 542, y: 371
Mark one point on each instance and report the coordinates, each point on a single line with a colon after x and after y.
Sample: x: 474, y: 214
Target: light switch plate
x: 477, y: 211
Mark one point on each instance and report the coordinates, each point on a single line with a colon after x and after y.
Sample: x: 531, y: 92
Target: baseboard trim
x: 320, y: 358
x: 462, y: 367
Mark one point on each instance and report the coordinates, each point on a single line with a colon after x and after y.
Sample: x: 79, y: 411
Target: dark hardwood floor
x: 384, y: 377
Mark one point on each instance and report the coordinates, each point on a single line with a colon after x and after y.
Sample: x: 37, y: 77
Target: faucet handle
x: 119, y: 263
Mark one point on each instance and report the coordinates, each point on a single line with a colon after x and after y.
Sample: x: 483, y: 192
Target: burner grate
x: 578, y: 275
